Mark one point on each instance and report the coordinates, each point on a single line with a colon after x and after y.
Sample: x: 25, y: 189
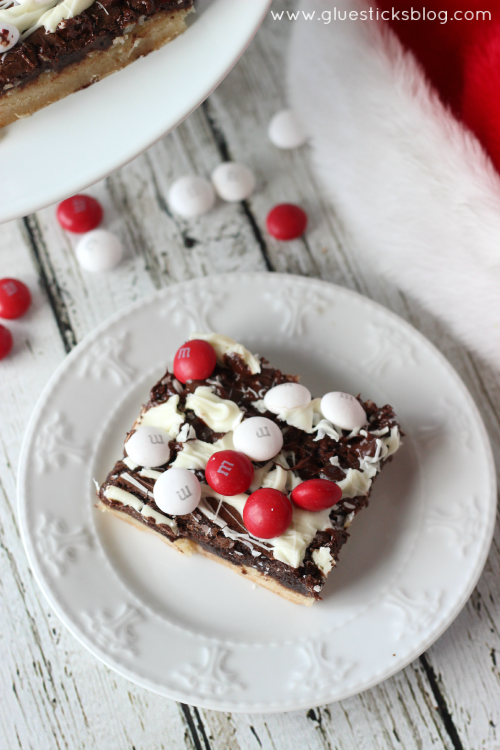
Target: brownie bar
x: 106, y: 37
x: 216, y: 528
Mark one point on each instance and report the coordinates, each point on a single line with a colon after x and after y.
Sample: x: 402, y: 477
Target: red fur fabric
x: 460, y: 57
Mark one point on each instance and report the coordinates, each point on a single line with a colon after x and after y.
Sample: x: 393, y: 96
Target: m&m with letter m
x: 229, y: 472
x: 195, y: 360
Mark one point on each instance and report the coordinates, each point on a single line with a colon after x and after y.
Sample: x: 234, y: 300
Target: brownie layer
x: 74, y: 38
x: 312, y: 459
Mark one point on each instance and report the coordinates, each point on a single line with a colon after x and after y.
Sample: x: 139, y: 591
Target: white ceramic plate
x: 192, y: 630
x: 74, y: 143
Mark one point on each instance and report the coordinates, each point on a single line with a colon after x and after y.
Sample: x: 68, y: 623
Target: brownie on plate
x: 52, y: 48
x: 328, y: 454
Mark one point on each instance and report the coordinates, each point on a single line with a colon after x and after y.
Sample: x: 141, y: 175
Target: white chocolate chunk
x: 323, y: 559
x: 291, y: 546
x: 220, y: 414
x: 187, y: 432
x: 355, y: 483
x: 196, y: 453
x: 165, y: 415
x: 226, y: 345
x: 303, y: 417
x: 324, y: 427
x: 276, y: 479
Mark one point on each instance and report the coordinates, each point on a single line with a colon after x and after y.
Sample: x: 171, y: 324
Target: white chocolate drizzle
x: 126, y: 498
x: 123, y: 497
x: 220, y: 414
x: 149, y: 512
x: 226, y: 345
x: 136, y: 484
x: 150, y: 474
x: 165, y: 415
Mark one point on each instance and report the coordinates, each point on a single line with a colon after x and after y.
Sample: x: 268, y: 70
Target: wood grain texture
x: 53, y: 693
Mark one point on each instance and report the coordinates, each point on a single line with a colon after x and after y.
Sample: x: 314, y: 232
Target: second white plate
x: 190, y: 629
x: 72, y: 144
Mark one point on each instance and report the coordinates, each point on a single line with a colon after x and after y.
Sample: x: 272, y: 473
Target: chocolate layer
x: 312, y: 459
x: 74, y: 38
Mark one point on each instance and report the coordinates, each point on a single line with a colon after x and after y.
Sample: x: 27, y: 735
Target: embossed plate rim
x: 328, y: 690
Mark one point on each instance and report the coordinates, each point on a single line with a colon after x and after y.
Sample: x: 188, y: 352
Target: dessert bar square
x: 273, y: 478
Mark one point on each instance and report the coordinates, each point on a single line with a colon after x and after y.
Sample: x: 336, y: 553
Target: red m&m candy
x: 229, y: 472
x: 195, y: 360
x: 316, y: 494
x: 286, y: 221
x: 79, y: 214
x: 15, y: 298
x: 5, y: 341
x: 267, y: 513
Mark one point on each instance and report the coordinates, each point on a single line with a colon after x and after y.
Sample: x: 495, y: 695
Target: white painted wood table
x: 53, y: 693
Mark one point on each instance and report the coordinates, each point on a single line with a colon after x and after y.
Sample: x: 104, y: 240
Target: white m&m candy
x: 285, y: 131
x: 233, y: 182
x: 258, y: 438
x: 177, y: 492
x: 99, y: 251
x: 148, y: 446
x: 9, y: 36
x: 191, y: 195
x: 287, y: 396
x: 343, y: 410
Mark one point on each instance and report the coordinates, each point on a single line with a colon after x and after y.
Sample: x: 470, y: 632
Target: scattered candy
x: 285, y: 131
x: 343, y: 410
x: 148, y: 446
x: 287, y: 396
x: 267, y: 513
x: 316, y: 494
x: 258, y: 438
x: 286, y: 222
x: 195, y: 360
x: 9, y: 36
x: 15, y: 298
x: 233, y: 182
x: 6, y: 341
x: 229, y: 472
x: 79, y: 214
x: 177, y: 492
x: 191, y: 196
x: 99, y: 250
